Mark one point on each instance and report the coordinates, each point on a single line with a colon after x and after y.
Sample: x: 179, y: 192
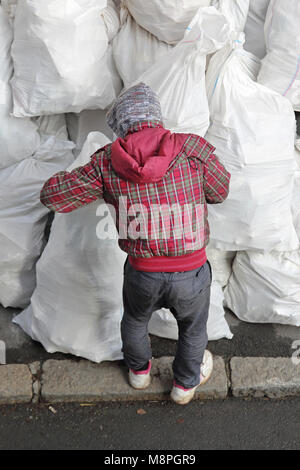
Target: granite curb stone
x: 15, y: 384
x: 264, y: 377
x: 86, y: 381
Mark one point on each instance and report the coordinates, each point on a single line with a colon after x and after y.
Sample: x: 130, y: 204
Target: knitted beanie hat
x: 138, y: 103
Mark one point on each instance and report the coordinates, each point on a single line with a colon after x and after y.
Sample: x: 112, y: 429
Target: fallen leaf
x: 180, y: 421
x: 140, y: 411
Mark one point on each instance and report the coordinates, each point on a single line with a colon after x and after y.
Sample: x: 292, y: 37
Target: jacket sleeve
x: 216, y: 178
x: 66, y: 191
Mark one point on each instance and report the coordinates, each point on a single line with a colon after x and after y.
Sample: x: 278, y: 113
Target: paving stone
x: 86, y: 381
x: 15, y: 384
x: 259, y: 376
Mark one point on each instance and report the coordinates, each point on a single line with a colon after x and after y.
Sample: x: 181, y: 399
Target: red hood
x: 144, y: 156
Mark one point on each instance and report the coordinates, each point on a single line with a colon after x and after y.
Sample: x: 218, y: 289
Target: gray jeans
x: 187, y: 295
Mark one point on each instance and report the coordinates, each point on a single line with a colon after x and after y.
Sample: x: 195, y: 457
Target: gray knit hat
x: 138, y: 103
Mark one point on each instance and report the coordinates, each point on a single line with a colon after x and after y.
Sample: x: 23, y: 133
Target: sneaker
x: 140, y: 379
x: 181, y: 395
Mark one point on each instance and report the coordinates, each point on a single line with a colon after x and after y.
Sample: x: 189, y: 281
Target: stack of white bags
x: 30, y: 152
x: 225, y: 70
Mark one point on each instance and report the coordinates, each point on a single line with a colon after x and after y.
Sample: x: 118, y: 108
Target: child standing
x: 158, y: 184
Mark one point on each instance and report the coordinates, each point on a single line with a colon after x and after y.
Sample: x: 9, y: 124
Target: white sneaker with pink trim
x: 181, y: 395
x: 140, y: 379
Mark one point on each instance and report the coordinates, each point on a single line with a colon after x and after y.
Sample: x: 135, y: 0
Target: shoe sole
x: 182, y: 402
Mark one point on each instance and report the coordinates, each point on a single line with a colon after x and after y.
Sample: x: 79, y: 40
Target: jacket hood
x: 145, y: 156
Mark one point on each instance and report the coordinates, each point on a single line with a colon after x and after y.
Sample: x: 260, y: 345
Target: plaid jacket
x: 165, y: 219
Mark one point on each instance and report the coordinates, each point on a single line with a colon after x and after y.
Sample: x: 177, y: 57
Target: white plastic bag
x: 19, y: 138
x: 178, y: 78
x: 60, y: 57
x: 111, y: 19
x: 135, y: 49
x: 236, y: 12
x: 23, y: 217
x: 163, y: 323
x: 77, y: 305
x: 82, y: 124
x: 265, y: 288
x: 280, y: 68
x: 116, y: 80
x: 221, y: 264
x: 296, y: 191
x: 252, y: 128
x: 166, y: 19
x: 254, y: 29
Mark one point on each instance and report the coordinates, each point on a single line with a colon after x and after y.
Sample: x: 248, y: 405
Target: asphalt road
x: 230, y: 424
